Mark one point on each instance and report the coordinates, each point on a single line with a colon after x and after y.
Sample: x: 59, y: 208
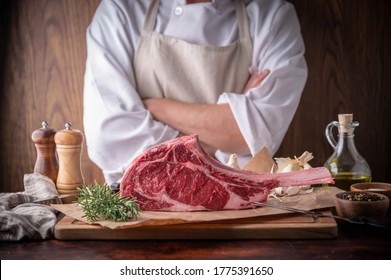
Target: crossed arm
x: 214, y: 123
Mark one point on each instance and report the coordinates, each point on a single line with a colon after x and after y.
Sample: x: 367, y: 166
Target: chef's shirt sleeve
x: 116, y: 124
x: 264, y: 114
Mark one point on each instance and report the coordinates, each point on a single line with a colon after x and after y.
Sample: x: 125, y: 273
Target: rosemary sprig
x: 99, y: 201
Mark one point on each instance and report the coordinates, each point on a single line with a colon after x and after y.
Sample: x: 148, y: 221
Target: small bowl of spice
x: 369, y: 204
x: 376, y: 187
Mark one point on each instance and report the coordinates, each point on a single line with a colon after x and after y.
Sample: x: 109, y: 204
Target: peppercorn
x: 359, y: 196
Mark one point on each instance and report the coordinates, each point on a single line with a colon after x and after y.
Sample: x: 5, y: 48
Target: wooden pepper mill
x: 69, y: 146
x: 46, y: 163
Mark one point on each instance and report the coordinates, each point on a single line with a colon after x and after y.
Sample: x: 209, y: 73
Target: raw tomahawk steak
x: 179, y: 176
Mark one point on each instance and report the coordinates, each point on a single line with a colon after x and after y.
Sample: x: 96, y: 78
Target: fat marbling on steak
x: 178, y: 175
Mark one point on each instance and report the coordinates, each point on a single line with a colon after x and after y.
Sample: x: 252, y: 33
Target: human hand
x: 255, y: 80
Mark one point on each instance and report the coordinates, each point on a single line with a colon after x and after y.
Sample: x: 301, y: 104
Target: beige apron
x: 166, y: 67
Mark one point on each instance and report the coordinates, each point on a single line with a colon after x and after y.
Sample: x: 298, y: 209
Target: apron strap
x: 150, y: 16
x: 242, y: 19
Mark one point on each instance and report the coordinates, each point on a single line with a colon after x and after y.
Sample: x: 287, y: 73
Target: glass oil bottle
x: 346, y: 165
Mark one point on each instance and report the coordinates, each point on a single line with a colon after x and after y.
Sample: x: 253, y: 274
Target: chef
x: 229, y: 71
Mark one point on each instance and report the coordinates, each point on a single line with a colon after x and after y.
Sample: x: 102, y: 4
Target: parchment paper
x: 262, y: 162
x: 321, y: 197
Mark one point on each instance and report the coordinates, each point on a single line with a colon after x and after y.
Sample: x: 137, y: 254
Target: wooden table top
x: 353, y: 242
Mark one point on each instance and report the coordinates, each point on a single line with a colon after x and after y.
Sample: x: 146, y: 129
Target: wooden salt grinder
x: 46, y: 163
x: 69, y: 146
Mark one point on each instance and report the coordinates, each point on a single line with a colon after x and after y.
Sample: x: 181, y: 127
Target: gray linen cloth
x: 21, y: 218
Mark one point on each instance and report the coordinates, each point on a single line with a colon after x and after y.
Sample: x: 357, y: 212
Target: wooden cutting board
x: 282, y: 226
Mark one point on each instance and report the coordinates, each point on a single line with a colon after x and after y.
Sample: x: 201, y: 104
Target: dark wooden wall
x: 348, y: 45
x: 42, y: 58
x: 43, y: 62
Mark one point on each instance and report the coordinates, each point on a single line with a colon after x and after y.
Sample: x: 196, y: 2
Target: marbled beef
x: 178, y: 175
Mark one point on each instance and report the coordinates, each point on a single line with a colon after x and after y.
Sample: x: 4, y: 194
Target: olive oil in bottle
x: 344, y: 180
x: 346, y: 165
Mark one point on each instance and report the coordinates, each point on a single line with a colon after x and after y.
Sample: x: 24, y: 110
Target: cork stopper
x: 346, y: 124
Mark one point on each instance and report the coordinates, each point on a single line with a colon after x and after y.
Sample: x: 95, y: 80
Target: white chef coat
x: 116, y: 124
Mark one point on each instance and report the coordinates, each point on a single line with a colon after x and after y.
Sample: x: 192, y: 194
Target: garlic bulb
x: 298, y: 163
x: 290, y: 165
x: 233, y: 161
